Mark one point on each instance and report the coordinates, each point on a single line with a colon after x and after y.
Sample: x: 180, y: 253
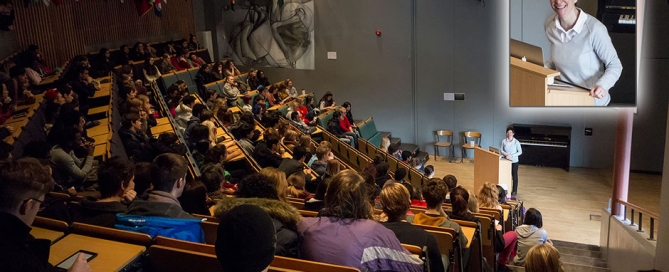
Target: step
x: 583, y: 260
x: 395, y: 141
x: 564, y: 244
x: 568, y: 267
x: 409, y: 147
x: 580, y: 252
x: 385, y: 134
x: 423, y: 156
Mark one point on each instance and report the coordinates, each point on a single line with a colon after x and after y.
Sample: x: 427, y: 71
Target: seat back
x: 446, y: 135
x: 167, y: 81
x: 185, y: 76
x: 375, y: 140
x: 185, y: 245
x: 471, y: 136
x: 306, y: 213
x: 51, y: 224
x: 210, y: 231
x: 323, y: 119
x: 304, y: 265
x: 368, y: 130
x: 112, y: 234
x: 167, y: 259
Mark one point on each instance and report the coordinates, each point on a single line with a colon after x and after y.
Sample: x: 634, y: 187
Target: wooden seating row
x: 118, y: 249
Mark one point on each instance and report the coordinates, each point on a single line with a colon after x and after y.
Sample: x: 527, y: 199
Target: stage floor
x: 566, y: 200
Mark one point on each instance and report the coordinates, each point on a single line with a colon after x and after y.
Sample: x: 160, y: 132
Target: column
x: 622, y: 157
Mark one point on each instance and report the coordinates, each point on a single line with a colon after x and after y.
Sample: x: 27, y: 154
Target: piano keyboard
x: 627, y: 19
x: 544, y: 144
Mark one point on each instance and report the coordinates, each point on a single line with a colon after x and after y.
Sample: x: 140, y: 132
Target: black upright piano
x: 547, y: 146
x: 619, y: 16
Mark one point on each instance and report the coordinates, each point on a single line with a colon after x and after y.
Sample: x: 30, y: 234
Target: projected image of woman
x: 581, y: 50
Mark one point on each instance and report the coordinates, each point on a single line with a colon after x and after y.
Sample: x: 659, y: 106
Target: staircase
x: 578, y: 257
x: 414, y: 149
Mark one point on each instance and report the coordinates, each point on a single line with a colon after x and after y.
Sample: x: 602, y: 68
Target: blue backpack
x: 177, y: 228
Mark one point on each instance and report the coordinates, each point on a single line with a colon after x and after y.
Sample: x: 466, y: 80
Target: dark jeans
x: 514, y: 175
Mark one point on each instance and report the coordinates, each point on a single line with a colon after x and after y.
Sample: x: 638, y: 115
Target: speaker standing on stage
x: 511, y: 150
x: 581, y: 50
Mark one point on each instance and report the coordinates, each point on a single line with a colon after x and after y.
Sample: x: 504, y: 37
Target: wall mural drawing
x: 272, y: 33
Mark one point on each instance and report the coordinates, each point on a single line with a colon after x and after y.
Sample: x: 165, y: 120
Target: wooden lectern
x: 489, y: 167
x: 530, y: 88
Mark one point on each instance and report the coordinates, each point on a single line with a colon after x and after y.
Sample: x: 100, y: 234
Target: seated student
x: 69, y: 170
x: 133, y: 138
x: 230, y: 91
x: 250, y: 228
x: 543, y: 258
x: 246, y: 132
x: 290, y: 139
x: 213, y: 176
x: 327, y: 102
x: 219, y: 154
x: 295, y: 164
x: 429, y: 171
x: 382, y: 174
x: 195, y: 61
x: 184, y: 111
x: 394, y: 199
x: 266, y: 152
x: 434, y: 192
x: 193, y: 200
x: 296, y: 183
x: 168, y: 179
x: 317, y: 202
x: 348, y: 127
x: 182, y: 61
x: 142, y: 178
x: 349, y: 114
x: 290, y: 89
x: 203, y: 77
x: 451, y: 182
x: 166, y: 66
x: 279, y: 181
x: 332, y: 169
x: 300, y: 124
x: 116, y: 184
x: 25, y: 182
x: 83, y: 86
x: 335, y: 128
x: 385, y: 144
x: 345, y: 225
x: 400, y: 176
x: 259, y: 190
x: 487, y: 197
x: 199, y: 149
x: 231, y: 69
x: 19, y: 86
x: 529, y: 234
x: 197, y: 117
x: 211, y: 96
x: 151, y: 71
x: 501, y: 194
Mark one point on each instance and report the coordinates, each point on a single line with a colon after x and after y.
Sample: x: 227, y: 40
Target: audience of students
x: 395, y: 201
x: 353, y: 239
x: 116, y: 184
x: 259, y: 190
x: 25, y: 182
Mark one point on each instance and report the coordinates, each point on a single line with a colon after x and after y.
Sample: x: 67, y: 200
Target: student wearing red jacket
x: 346, y: 126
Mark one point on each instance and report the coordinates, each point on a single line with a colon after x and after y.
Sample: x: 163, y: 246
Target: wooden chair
x: 449, y: 245
x: 185, y: 245
x: 487, y: 237
x: 476, y: 253
x: 167, y: 259
x: 448, y: 143
x: 297, y: 204
x: 51, y: 224
x: 468, y: 136
x: 123, y: 236
x: 210, y: 230
x: 304, y: 265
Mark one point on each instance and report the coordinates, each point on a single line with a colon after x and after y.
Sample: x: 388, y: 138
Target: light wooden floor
x: 565, y: 199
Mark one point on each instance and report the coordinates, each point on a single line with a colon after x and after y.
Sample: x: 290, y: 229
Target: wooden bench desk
x: 163, y: 121
x: 162, y: 128
x: 112, y: 256
x: 51, y: 235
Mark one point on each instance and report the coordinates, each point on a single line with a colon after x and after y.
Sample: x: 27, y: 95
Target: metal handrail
x: 653, y: 217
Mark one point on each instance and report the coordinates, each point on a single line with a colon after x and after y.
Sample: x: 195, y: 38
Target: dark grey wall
x: 459, y: 47
x: 8, y: 43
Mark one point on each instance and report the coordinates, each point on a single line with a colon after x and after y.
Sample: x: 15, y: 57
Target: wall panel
x: 67, y: 29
